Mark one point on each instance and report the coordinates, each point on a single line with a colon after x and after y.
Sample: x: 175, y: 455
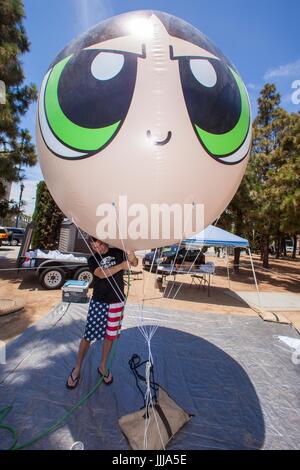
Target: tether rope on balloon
x: 147, y: 335
x: 191, y: 267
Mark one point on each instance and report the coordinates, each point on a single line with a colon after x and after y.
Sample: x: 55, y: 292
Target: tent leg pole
x: 254, y: 276
x: 227, y: 267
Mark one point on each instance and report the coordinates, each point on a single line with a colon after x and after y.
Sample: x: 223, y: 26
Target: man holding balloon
x: 106, y: 306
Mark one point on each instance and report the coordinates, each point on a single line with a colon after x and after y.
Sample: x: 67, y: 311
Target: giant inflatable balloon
x: 142, y: 111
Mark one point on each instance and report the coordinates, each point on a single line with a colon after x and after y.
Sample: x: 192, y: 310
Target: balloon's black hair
x: 117, y: 26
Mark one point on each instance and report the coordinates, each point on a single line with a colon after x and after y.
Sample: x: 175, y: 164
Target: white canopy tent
x: 217, y: 237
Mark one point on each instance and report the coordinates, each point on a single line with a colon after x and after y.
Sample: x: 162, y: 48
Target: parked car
x: 15, y: 235
x: 289, y: 245
x: 3, y: 235
x: 170, y: 254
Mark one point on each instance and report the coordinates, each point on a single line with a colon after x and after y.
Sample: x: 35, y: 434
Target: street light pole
x: 20, y: 202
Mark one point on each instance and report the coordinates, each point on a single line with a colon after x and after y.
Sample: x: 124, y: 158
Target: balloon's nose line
x: 160, y: 142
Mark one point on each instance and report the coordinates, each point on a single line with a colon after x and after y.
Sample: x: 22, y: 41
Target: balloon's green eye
x: 229, y: 142
x: 84, y: 101
x: 218, y: 106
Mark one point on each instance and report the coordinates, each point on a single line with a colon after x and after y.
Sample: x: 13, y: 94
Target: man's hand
x: 132, y: 258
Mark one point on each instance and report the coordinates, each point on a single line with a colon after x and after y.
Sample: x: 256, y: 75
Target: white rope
x: 154, y: 283
x: 144, y: 287
x: 217, y: 220
x: 148, y: 395
x: 188, y: 272
x: 141, y: 327
x: 154, y: 257
x: 226, y: 259
x: 254, y: 276
x: 191, y: 267
x: 124, y: 248
x: 186, y: 252
x: 169, y: 293
x: 44, y: 266
x: 183, y: 234
x: 147, y: 336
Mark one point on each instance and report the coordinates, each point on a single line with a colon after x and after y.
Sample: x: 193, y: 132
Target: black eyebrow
x: 171, y: 53
x: 141, y: 55
x: 172, y: 57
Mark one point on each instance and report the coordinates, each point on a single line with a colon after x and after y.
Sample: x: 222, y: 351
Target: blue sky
x: 261, y: 37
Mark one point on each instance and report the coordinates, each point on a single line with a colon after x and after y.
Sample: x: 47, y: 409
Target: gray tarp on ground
x: 230, y: 371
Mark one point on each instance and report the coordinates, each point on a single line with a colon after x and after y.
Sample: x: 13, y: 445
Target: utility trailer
x: 53, y: 271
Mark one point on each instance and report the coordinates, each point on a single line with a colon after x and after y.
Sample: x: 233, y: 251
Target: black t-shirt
x: 109, y: 290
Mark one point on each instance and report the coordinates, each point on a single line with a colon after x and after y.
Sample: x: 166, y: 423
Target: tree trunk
x: 236, y: 265
x: 265, y: 251
x: 283, y: 246
x: 237, y: 251
x: 278, y: 246
x: 261, y: 250
x: 294, y: 246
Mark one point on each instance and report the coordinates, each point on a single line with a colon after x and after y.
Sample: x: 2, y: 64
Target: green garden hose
x: 4, y: 412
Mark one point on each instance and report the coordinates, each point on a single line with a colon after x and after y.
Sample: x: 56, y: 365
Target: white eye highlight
x: 107, y: 65
x: 204, y: 72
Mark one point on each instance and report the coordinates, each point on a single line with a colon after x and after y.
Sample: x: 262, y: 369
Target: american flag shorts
x: 103, y: 321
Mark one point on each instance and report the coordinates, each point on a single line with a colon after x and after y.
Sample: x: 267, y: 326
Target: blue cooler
x: 75, y: 291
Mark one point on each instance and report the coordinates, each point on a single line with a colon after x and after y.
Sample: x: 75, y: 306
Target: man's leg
x: 83, y: 348
x: 114, y: 322
x: 107, y: 345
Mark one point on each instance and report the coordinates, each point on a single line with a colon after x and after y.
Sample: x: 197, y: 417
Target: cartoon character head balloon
x: 145, y: 107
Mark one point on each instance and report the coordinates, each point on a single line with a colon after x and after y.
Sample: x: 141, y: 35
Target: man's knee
x: 85, y: 342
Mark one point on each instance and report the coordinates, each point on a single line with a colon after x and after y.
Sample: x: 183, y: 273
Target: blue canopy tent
x: 217, y: 237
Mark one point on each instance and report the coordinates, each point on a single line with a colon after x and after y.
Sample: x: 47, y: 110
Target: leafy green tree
x: 47, y: 218
x: 267, y: 131
x: 16, y: 148
x: 285, y: 180
x: 266, y: 205
x: 236, y: 217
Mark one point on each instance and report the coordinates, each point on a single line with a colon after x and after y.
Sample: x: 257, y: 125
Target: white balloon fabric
x: 142, y: 112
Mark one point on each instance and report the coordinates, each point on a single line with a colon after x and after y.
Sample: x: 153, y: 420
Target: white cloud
x: 287, y: 70
x: 253, y: 86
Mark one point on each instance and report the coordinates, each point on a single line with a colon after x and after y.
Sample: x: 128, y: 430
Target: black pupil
x: 92, y: 103
x: 214, y: 109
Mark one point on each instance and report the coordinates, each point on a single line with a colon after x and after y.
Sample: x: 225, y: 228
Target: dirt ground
x: 283, y: 276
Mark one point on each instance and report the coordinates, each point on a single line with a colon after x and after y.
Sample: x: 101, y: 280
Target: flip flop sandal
x: 76, y: 381
x: 105, y: 376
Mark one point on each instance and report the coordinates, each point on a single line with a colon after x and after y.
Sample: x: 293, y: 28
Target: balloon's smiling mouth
x: 160, y: 142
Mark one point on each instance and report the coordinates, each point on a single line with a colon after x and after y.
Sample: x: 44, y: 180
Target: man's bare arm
x: 108, y: 272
